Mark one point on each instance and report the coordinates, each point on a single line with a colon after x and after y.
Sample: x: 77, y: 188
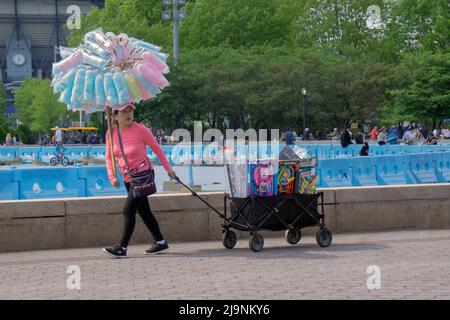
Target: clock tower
x: 18, y: 58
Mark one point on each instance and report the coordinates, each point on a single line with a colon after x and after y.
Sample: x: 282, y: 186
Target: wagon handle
x: 196, y: 194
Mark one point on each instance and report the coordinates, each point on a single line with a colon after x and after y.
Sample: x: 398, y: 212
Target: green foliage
x: 38, y: 106
x: 238, y: 23
x: 3, y: 133
x: 243, y: 63
x: 137, y: 18
x: 95, y: 121
x: 405, y: 26
x: 25, y: 135
x: 427, y: 95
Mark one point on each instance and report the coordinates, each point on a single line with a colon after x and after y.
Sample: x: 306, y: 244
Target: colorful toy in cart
x: 307, y: 178
x: 287, y: 176
x: 263, y: 178
x: 307, y: 184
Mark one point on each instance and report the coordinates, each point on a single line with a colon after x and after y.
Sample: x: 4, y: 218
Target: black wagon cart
x: 290, y: 212
x: 287, y: 211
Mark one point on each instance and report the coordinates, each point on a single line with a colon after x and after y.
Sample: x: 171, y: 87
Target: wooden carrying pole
x: 111, y: 145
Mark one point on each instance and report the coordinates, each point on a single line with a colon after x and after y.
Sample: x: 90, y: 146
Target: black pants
x: 129, y: 214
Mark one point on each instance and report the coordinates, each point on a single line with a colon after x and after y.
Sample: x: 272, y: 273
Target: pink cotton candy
x: 154, y: 77
x: 155, y: 63
x: 70, y: 62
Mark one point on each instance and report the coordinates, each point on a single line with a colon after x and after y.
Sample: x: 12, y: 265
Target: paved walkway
x: 410, y: 265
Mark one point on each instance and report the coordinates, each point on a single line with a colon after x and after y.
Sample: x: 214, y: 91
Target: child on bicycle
x: 60, y: 150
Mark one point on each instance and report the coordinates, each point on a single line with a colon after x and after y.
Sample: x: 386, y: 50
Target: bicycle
x: 59, y: 158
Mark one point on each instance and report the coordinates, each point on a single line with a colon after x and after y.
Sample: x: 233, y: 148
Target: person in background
x: 436, y: 133
x: 424, y: 132
x: 431, y: 140
x: 382, y: 138
x: 345, y: 138
x: 77, y: 137
x: 374, y: 133
x: 410, y: 136
x: 60, y: 149
x: 364, y: 152
x: 417, y: 134
x: 58, y: 135
x: 289, y: 137
x: 335, y: 135
x: 8, y: 139
x: 306, y: 134
x: 392, y: 137
x: 446, y: 133
x: 359, y: 138
x: 83, y: 137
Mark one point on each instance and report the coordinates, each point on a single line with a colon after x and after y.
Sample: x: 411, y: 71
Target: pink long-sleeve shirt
x: 134, y: 140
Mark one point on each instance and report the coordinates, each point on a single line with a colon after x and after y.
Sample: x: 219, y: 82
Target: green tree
x: 3, y: 132
x: 25, y: 135
x: 137, y: 18
x: 343, y: 27
x: 243, y: 63
x: 337, y: 25
x: 420, y: 25
x: 238, y: 23
x: 38, y: 107
x: 427, y: 96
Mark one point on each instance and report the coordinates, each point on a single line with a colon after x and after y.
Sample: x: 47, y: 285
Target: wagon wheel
x: 256, y: 242
x: 293, y: 236
x: 324, y: 237
x: 229, y: 239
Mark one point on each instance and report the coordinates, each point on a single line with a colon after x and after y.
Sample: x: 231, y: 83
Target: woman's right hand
x: 115, y: 183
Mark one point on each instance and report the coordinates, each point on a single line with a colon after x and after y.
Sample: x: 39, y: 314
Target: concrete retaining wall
x: 90, y: 222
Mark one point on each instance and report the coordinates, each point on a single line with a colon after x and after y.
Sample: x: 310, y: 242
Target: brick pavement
x: 413, y: 265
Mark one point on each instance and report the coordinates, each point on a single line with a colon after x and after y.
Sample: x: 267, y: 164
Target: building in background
x: 30, y: 33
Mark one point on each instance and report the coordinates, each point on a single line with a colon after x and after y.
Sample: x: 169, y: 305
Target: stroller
x: 287, y: 211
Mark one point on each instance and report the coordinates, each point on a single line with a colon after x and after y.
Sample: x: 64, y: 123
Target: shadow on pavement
x: 300, y: 251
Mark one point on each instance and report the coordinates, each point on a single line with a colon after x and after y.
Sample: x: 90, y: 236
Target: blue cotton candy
x: 147, y: 45
x: 65, y: 81
x: 121, y: 87
x: 78, y: 87
x: 89, y: 87
x: 66, y: 95
x: 110, y: 90
x: 96, y: 48
x: 99, y: 90
x: 94, y: 60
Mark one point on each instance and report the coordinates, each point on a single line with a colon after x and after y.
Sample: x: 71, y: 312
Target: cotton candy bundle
x: 109, y: 70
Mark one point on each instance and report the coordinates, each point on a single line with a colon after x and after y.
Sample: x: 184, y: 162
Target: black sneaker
x: 157, y: 248
x: 117, y: 251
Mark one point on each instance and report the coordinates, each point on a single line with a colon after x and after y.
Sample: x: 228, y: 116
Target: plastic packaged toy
x: 287, y: 173
x: 262, y: 178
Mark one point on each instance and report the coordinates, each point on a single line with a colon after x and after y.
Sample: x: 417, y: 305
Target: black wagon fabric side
x: 251, y: 212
